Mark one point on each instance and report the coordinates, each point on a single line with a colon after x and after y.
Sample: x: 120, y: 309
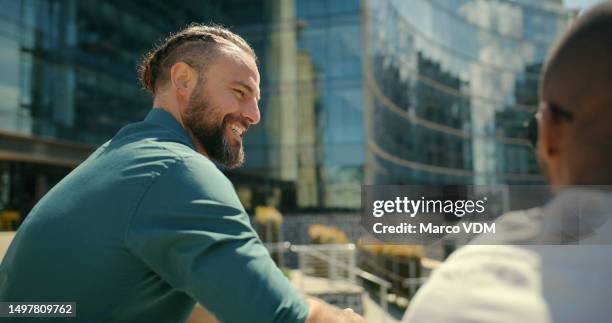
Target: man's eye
x: 239, y: 94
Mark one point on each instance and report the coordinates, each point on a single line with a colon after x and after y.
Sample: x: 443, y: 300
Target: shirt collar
x: 163, y: 118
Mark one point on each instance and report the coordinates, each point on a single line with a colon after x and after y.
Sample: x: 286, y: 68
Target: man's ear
x: 551, y: 134
x: 182, y: 79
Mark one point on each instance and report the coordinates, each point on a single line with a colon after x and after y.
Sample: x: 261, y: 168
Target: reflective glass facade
x: 69, y: 83
x: 449, y: 84
x: 330, y: 33
x: 353, y: 92
x: 72, y: 64
x: 310, y: 139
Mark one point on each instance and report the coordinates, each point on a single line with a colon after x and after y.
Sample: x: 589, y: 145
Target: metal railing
x: 278, y: 248
x: 333, y: 262
x: 336, y: 263
x: 414, y: 278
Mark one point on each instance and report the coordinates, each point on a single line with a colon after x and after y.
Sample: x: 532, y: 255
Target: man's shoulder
x: 148, y: 143
x: 179, y: 170
x: 491, y: 265
x: 514, y: 228
x: 145, y: 135
x: 194, y: 177
x: 197, y: 168
x: 471, y: 281
x: 142, y: 148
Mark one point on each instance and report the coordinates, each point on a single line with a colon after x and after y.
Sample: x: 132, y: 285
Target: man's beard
x: 543, y: 166
x: 202, y: 119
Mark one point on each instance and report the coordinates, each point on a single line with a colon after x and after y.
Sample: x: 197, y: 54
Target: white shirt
x: 529, y: 283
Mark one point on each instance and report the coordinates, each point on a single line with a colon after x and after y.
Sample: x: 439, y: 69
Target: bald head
x: 578, y: 78
x: 578, y: 71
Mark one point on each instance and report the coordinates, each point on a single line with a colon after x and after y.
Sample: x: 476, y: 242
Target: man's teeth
x: 237, y: 130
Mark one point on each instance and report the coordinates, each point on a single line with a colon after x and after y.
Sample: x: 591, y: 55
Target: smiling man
x: 147, y: 226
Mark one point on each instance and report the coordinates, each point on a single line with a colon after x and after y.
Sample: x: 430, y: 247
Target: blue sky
x: 580, y: 4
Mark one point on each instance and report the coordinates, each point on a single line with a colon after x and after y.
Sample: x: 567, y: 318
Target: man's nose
x: 251, y: 111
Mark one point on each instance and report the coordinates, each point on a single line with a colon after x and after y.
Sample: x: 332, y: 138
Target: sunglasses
x: 532, y: 124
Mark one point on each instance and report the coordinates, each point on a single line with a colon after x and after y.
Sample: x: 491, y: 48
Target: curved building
x: 353, y: 91
x: 448, y: 85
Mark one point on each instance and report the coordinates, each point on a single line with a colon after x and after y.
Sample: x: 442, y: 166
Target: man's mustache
x: 235, y: 118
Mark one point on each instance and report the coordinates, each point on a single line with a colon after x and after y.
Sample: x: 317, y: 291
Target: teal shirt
x: 140, y: 232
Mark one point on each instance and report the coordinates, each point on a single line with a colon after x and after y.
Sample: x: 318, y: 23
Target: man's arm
x: 319, y: 312
x: 191, y: 230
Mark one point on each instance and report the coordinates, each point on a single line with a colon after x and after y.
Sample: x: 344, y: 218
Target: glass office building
x: 69, y: 83
x: 330, y: 34
x: 449, y: 84
x: 371, y: 91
